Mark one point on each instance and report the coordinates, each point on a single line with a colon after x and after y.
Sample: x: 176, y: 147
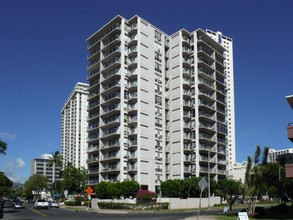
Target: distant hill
x: 17, y: 186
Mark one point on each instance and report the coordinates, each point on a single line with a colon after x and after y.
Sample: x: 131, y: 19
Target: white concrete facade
x: 238, y: 171
x: 150, y: 96
x: 74, y: 127
x: 40, y: 165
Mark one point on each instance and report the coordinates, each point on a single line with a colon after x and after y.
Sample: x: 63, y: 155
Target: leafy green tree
x: 273, y: 192
x: 3, y: 148
x: 129, y: 189
x: 190, y: 187
x: 37, y: 183
x: 5, y: 184
x: 102, y: 190
x: 74, y: 179
x: 115, y: 190
x: 265, y: 155
x: 172, y: 188
x: 229, y: 189
x: 56, y: 160
x: 254, y: 179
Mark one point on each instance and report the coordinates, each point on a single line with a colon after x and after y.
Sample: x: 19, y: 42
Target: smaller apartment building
x: 40, y: 166
x: 274, y: 154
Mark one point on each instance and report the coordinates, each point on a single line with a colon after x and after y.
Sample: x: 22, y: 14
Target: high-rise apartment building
x: 227, y: 43
x: 40, y: 166
x: 157, y: 104
x: 74, y: 127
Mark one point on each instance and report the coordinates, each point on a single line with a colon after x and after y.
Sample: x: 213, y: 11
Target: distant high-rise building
x: 40, y: 165
x: 74, y: 127
x: 159, y: 104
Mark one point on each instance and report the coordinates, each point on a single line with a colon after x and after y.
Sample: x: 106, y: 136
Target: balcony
x: 111, y: 63
x: 189, y: 170
x: 207, y: 104
x: 290, y: 131
x: 113, y: 96
x: 131, y: 73
x: 111, y: 132
x: 206, y: 136
x: 207, y: 115
x: 115, y: 108
x: 93, y: 160
x: 222, y: 140
x: 111, y: 169
x: 111, y: 157
x: 132, y: 107
x: 207, y: 147
x: 188, y: 147
x: 132, y: 156
x: 207, y: 83
x: 116, y: 37
x: 92, y: 149
x: 206, y: 159
x: 132, y: 143
x: 111, y: 145
x: 93, y: 171
x: 132, y: 167
x: 108, y: 55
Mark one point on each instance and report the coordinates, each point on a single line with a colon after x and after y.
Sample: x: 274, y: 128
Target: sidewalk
x: 205, y: 217
x: 115, y: 211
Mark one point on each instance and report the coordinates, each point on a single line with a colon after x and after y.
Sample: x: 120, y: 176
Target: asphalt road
x: 30, y: 213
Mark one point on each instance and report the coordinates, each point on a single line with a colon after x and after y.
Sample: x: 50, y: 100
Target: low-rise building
x: 40, y: 165
x: 276, y: 155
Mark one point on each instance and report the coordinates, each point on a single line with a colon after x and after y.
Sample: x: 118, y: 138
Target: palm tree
x: 56, y: 160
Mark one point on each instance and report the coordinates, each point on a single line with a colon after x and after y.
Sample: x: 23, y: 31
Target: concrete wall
x: 175, y: 203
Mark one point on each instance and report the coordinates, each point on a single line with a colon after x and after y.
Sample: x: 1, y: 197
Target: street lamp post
x: 209, y: 205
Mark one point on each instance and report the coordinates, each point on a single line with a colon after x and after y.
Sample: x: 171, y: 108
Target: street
x: 29, y: 213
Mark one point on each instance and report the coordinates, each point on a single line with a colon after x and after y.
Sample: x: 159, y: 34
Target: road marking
x: 39, y: 213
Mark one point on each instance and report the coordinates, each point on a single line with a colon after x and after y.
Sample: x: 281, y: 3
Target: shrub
x: 69, y: 203
x: 79, y: 200
x: 145, y: 196
x: 112, y: 205
x: 221, y: 205
x: 88, y: 203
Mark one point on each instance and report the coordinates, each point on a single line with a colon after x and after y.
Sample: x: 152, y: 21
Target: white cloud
x: 7, y: 136
x: 20, y: 163
x: 11, y: 169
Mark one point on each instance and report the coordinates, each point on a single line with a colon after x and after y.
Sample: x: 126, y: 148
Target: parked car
x: 19, y: 205
x: 14, y: 201
x: 2, y: 201
x: 239, y: 201
x: 54, y: 204
x: 41, y: 203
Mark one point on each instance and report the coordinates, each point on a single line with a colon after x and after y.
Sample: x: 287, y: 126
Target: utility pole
x: 209, y: 204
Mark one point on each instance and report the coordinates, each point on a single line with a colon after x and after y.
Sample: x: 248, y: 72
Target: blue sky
x: 43, y: 55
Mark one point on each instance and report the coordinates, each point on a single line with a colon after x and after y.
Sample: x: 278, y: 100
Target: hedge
x: 113, y: 205
x: 69, y: 203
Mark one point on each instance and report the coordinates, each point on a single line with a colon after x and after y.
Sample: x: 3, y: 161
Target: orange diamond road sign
x: 89, y: 190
